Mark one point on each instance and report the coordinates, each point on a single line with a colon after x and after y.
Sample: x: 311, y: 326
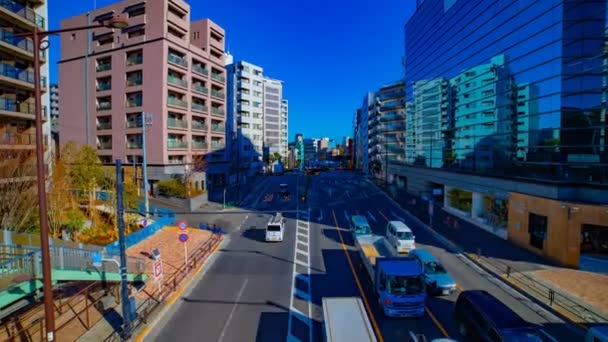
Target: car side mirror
x: 413, y: 237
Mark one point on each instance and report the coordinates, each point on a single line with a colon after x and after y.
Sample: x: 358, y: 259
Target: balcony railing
x: 174, y: 123
x: 216, y: 145
x: 23, y: 11
x: 199, y: 88
x: 199, y: 107
x: 176, y: 144
x: 200, y: 69
x: 134, y: 81
x: 17, y: 139
x: 217, y: 111
x: 20, y: 74
x: 177, y: 81
x: 218, y: 77
x: 134, y: 124
x: 104, y: 106
x: 133, y: 103
x: 218, y: 128
x: 134, y: 145
x: 392, y: 117
x: 199, y: 126
x: 24, y: 107
x: 174, y: 101
x: 135, y: 60
x: 218, y: 94
x: 104, y: 86
x: 104, y: 125
x: 104, y: 67
x: 22, y: 43
x: 199, y: 145
x: 175, y: 59
x: 104, y: 145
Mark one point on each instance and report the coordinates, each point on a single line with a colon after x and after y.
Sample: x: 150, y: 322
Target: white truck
x: 346, y: 320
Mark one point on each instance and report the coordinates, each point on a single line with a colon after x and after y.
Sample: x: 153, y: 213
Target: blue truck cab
x: 400, y: 287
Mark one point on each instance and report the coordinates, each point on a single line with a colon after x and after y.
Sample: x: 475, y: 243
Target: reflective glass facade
x: 509, y: 88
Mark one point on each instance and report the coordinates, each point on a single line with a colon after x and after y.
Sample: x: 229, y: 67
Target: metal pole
x: 145, y: 164
x: 49, y: 315
x: 224, y: 197
x: 126, y: 317
x: 87, y: 113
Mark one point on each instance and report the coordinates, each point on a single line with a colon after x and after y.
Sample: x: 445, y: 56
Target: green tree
x: 60, y: 198
x: 87, y: 174
x: 18, y: 195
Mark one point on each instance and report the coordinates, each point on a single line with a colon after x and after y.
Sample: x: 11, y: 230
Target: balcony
x: 199, y: 126
x: 104, y: 125
x: 217, y: 93
x: 199, y: 145
x: 218, y: 128
x: 135, y: 60
x: 175, y: 59
x: 10, y: 71
x: 178, y: 81
x: 199, y: 88
x: 104, y: 106
x: 135, y: 145
x: 391, y: 105
x: 16, y: 139
x: 392, y: 117
x: 395, y: 127
x: 131, y: 123
x: 217, y: 111
x: 104, y: 145
x: 104, y: 86
x: 26, y: 45
x: 218, y: 77
x: 9, y: 105
x: 176, y: 144
x: 103, y: 67
x: 25, y: 12
x: 199, y: 107
x: 199, y: 69
x: 174, y: 101
x: 134, y: 81
x: 175, y: 123
x: 216, y: 145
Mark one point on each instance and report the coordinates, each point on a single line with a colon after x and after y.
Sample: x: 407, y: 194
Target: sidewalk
x: 577, y: 295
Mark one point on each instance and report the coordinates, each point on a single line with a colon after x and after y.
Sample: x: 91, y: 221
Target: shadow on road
x: 332, y: 234
x: 272, y: 327
x: 255, y: 234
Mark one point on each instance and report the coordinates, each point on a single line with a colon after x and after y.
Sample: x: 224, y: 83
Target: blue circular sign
x: 182, y: 225
x: 183, y: 237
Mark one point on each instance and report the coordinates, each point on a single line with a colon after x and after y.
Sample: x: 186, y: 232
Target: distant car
x: 480, y: 316
x: 359, y: 225
x: 438, y: 281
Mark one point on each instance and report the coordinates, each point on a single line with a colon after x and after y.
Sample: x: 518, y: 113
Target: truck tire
x: 463, y: 330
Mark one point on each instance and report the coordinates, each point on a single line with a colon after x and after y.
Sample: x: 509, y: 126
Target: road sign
x: 158, y: 270
x: 183, y: 237
x: 182, y: 225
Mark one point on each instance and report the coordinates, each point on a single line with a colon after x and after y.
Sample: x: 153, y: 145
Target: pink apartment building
x: 162, y: 64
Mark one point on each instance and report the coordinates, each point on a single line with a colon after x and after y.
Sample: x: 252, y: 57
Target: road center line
x: 236, y: 303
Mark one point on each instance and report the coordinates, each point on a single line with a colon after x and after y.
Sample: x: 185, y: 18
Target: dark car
x: 480, y: 316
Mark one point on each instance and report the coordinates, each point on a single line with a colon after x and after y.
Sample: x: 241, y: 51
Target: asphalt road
x: 258, y: 291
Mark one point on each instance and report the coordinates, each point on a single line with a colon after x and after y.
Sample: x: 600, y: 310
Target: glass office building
x: 512, y: 88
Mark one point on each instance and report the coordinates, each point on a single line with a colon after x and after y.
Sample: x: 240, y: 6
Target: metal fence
x: 142, y: 234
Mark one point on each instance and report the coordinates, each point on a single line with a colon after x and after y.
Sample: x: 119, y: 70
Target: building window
x: 104, y: 83
x: 104, y: 63
x: 135, y: 31
x: 134, y: 99
x: 135, y: 57
x: 176, y: 11
x: 134, y: 78
x: 175, y: 32
x: 104, y: 39
x: 135, y: 10
x: 104, y: 103
x: 537, y: 229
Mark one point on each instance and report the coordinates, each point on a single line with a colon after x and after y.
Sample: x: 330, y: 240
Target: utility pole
x: 124, y: 287
x: 146, y: 120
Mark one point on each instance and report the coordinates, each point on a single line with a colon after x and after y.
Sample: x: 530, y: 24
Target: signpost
x: 183, y: 238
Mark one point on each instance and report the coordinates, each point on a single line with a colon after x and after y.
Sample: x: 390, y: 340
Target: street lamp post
x: 40, y: 43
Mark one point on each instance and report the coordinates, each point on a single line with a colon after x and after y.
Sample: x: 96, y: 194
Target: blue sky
x: 328, y: 53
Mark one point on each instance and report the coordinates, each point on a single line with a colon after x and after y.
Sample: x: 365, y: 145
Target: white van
x: 275, y: 228
x: 400, y: 236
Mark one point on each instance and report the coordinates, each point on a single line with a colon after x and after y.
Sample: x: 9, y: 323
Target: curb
x: 170, y: 301
x: 457, y: 249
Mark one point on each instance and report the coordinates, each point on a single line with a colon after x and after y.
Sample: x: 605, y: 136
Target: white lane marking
x: 346, y: 216
x: 320, y: 216
x: 303, y: 231
x: 236, y: 303
x: 372, y: 216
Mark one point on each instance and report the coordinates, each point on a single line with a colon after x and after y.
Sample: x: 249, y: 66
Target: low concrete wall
x: 195, y: 202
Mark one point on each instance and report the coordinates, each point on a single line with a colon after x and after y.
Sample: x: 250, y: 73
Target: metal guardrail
x: 547, y: 294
